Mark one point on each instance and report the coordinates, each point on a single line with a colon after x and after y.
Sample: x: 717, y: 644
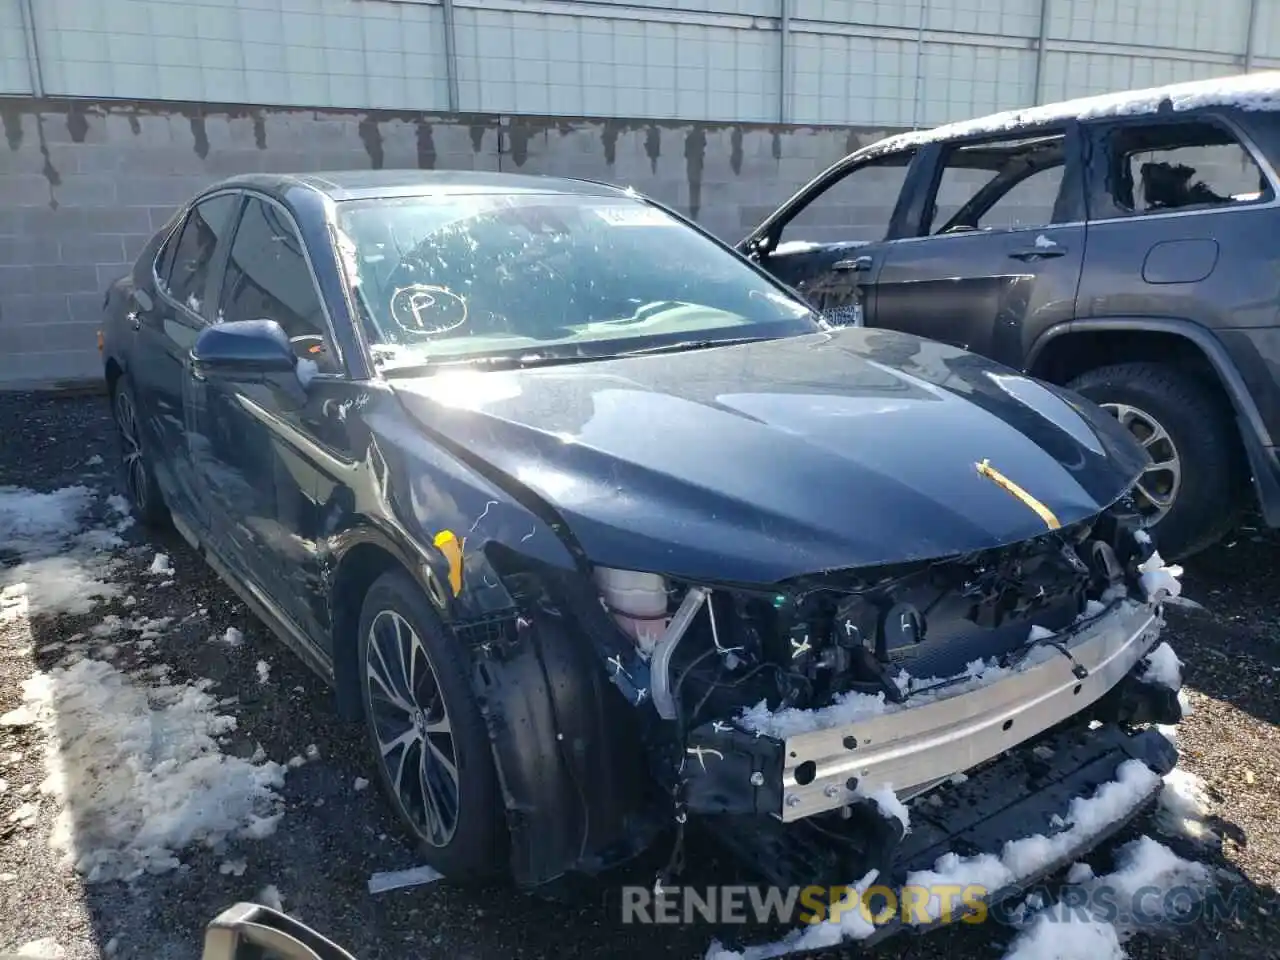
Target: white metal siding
x: 880, y: 63
x: 15, y: 76
x: 345, y: 53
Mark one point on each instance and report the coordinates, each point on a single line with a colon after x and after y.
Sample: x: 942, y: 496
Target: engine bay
x: 711, y: 650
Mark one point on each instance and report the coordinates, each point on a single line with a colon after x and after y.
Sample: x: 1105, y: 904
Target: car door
x: 828, y: 241
x: 166, y: 328
x: 998, y: 249
x: 255, y: 451
x: 1181, y: 215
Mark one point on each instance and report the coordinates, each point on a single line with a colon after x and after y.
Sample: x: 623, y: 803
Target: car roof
x: 371, y: 184
x: 1250, y: 91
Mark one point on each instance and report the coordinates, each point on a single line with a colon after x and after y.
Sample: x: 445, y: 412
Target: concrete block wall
x: 84, y: 184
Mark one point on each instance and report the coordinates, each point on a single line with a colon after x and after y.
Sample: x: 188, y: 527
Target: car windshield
x: 547, y: 276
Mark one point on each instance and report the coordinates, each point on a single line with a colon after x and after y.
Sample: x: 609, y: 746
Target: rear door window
x: 1161, y: 167
x: 187, y: 259
x: 1005, y: 184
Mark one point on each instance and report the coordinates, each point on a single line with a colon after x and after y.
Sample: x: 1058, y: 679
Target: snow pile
x: 62, y: 566
x: 851, y: 707
x: 890, y: 806
x: 852, y: 924
x: 1159, y: 579
x: 1112, y: 802
x: 232, y: 637
x: 977, y: 674
x: 848, y: 707
x: 39, y: 524
x: 46, y: 948
x: 1184, y: 807
x: 1072, y: 932
x: 269, y: 896
x: 138, y: 774
x: 1163, y: 668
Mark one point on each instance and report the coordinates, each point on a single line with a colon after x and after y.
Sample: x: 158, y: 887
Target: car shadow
x: 1230, y: 644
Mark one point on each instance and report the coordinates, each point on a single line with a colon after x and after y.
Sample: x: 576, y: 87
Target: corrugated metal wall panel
x: 15, y: 73
x: 349, y: 53
x: 538, y: 63
x: 871, y: 62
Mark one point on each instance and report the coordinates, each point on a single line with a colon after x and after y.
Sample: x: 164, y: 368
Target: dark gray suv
x: 1124, y: 246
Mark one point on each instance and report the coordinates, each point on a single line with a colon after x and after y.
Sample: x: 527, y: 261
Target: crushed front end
x: 799, y: 720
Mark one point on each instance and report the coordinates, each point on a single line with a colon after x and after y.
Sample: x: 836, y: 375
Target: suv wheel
x: 430, y: 742
x: 1189, y: 493
x: 140, y: 481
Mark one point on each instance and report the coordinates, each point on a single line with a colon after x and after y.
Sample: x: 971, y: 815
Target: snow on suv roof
x: 1250, y: 91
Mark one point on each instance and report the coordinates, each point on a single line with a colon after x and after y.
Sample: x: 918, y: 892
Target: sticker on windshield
x: 634, y: 215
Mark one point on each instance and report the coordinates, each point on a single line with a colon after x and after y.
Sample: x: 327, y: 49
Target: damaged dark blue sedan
x: 601, y: 531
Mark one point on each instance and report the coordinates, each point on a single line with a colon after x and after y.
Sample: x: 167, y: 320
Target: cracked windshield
x: 463, y: 277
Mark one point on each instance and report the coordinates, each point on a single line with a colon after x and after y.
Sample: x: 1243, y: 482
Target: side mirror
x: 250, y: 931
x: 243, y: 350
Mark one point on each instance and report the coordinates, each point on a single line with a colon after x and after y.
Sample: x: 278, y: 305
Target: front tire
x: 429, y: 739
x: 139, y: 478
x: 1189, y: 497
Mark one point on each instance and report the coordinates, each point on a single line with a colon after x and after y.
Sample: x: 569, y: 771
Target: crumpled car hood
x: 758, y: 462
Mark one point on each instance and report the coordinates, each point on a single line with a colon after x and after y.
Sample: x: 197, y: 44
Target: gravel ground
x: 332, y: 836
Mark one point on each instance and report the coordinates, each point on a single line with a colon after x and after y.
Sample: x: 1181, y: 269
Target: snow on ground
x: 46, y: 948
x: 1080, y: 925
x: 38, y: 524
x: 1184, y: 807
x: 64, y: 565
x: 133, y: 763
x: 137, y: 771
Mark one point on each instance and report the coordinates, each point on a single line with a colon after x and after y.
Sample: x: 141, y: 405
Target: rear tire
x: 429, y: 739
x: 1188, y: 430
x: 139, y: 479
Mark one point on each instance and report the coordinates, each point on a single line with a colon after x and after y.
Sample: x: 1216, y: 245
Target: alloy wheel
x: 415, y: 740
x: 135, y: 467
x: 1158, y: 487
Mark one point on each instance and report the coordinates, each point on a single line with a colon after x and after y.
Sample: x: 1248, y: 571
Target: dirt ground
x: 333, y: 836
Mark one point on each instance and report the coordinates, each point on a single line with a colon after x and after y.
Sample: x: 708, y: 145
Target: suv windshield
x: 549, y: 276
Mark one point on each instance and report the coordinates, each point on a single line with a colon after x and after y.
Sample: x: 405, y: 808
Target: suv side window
x: 1007, y: 184
x: 184, y: 264
x: 267, y: 278
x: 858, y: 206
x: 1152, y: 168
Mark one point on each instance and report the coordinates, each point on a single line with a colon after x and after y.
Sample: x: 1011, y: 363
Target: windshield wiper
x: 682, y: 345
x: 494, y: 361
x: 522, y: 361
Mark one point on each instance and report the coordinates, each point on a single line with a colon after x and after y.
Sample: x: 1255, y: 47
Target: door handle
x: 857, y: 264
x: 1037, y: 253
